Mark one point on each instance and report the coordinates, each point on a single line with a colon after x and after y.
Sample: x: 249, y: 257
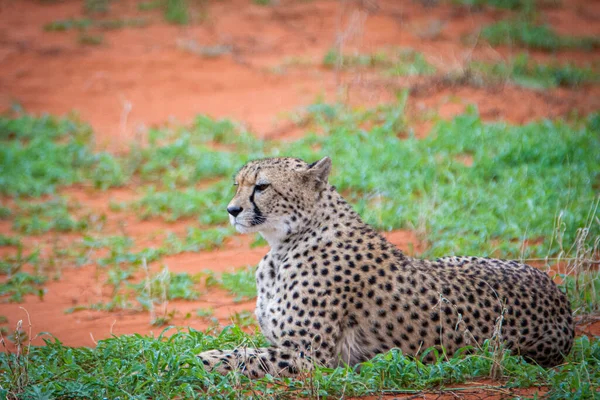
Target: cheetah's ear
x: 320, y: 171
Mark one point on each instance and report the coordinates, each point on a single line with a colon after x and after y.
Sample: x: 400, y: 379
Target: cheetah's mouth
x: 242, y: 226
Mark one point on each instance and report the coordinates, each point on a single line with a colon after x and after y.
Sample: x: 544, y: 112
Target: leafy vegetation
x: 241, y: 284
x: 150, y: 5
x: 524, y: 5
x: 197, y: 239
x: 54, y: 214
x: 167, y: 286
x: 83, y: 24
x: 205, y: 204
x: 531, y: 172
x: 39, y: 154
x: 524, y: 32
x: 526, y: 72
x: 9, y: 241
x: 176, y: 12
x: 534, y: 182
x: 12, y: 264
x: 396, y: 62
x: 96, y: 6
x: 19, y: 285
x: 166, y: 367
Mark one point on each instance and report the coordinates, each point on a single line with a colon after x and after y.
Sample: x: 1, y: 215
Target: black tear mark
x: 258, y: 218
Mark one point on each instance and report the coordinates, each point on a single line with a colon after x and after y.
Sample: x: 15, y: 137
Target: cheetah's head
x: 277, y: 196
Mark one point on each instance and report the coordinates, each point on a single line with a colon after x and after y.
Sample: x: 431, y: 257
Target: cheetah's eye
x: 261, y: 187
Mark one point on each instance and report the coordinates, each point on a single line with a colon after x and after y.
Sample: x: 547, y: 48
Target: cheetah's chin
x: 244, y: 228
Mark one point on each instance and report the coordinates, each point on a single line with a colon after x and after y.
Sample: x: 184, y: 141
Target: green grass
x: 149, y: 294
x: 241, y: 283
x: 526, y: 72
x: 333, y: 59
x: 395, y: 62
x: 83, y: 24
x: 68, y: 24
x: 90, y: 40
x: 96, y: 6
x: 10, y: 241
x: 166, y: 367
x: 177, y: 12
x: 19, y: 285
x: 197, y: 239
x: 524, y: 33
x: 410, y: 63
x: 10, y: 265
x: 205, y: 312
x: 167, y: 286
x: 54, y: 214
x: 523, y: 183
x: 521, y: 177
x: 526, y: 174
x: 37, y: 155
x: 150, y: 5
x: 526, y: 5
x: 204, y: 204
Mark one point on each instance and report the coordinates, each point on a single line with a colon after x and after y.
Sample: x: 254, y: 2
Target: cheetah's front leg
x: 256, y: 363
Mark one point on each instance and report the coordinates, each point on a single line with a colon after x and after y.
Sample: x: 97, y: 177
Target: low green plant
x: 68, y: 24
x: 37, y: 154
x: 5, y: 213
x: 166, y: 285
x: 12, y: 264
x: 83, y: 24
x: 524, y: 32
x: 54, y: 214
x: 197, y: 239
x: 420, y: 184
x: 580, y: 260
x: 410, y: 63
x: 21, y: 284
x: 167, y: 367
x: 204, y: 204
x: 396, y: 62
x: 150, y: 5
x: 244, y: 319
x: 335, y: 59
x: 10, y: 241
x: 177, y: 12
x: 205, y: 312
x: 118, y: 302
x: 96, y: 6
x: 111, y: 24
x: 258, y: 241
x: 526, y: 72
x: 241, y: 283
x: 522, y: 5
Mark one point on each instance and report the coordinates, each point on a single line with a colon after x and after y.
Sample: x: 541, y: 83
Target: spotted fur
x: 332, y: 290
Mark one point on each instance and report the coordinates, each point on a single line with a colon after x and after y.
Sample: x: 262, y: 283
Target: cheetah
x: 332, y: 290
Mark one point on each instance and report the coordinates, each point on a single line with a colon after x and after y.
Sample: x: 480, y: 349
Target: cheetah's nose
x: 234, y: 210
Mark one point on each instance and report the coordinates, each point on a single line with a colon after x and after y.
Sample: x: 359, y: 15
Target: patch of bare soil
x: 252, y: 63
